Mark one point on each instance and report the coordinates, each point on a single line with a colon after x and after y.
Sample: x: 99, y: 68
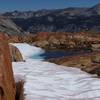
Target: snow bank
x: 28, y: 51
x: 48, y: 81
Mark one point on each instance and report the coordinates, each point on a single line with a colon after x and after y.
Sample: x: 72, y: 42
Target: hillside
x: 58, y: 20
x: 8, y: 26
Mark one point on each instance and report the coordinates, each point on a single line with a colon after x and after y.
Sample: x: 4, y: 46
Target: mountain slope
x: 58, y: 20
x: 8, y: 26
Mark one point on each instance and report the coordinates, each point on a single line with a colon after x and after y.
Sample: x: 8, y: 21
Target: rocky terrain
x: 11, y: 86
x: 14, y: 52
x: 60, y: 29
x: 60, y: 40
x: 72, y: 19
x: 9, y: 27
x: 67, y: 41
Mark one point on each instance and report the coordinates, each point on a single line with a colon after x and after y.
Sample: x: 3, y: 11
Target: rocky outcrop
x: 7, y: 82
x: 9, y: 27
x: 15, y: 54
x: 65, y: 41
x: 11, y: 88
x: 59, y: 40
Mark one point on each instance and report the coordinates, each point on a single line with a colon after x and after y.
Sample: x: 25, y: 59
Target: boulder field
x: 59, y: 40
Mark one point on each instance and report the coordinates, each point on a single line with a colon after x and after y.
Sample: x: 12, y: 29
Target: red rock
x: 7, y: 79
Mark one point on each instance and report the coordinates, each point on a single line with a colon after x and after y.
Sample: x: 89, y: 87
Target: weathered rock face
x: 65, y: 41
x: 14, y: 39
x: 8, y: 89
x: 15, y: 54
x: 9, y: 27
x: 21, y: 38
x: 7, y: 83
x: 59, y: 41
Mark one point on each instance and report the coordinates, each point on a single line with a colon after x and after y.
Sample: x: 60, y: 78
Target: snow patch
x: 48, y: 81
x: 28, y: 51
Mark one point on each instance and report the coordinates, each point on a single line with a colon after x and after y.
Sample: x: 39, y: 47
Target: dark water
x: 57, y: 54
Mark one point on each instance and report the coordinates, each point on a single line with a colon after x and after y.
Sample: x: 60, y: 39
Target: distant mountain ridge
x: 72, y: 19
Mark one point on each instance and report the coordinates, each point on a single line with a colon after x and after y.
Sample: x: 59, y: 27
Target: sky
x: 10, y: 5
